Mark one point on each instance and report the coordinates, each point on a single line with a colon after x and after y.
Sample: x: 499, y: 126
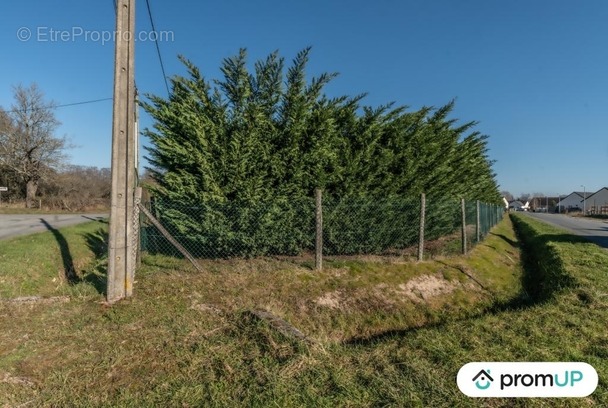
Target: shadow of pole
x: 66, y: 256
x: 98, y: 219
x: 98, y: 274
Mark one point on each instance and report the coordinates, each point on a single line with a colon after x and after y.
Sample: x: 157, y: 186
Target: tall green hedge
x: 250, y: 149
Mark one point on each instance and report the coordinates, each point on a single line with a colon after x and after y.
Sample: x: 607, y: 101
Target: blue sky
x: 533, y: 73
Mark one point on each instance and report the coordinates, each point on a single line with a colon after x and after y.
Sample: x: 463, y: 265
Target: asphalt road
x: 593, y: 229
x: 12, y: 225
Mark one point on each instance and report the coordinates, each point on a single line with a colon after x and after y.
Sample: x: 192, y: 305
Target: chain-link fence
x: 232, y: 229
x: 479, y: 219
x: 354, y: 226
x: 294, y: 227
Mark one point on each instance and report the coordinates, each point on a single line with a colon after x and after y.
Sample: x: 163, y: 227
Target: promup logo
x: 527, y: 379
x: 483, y: 377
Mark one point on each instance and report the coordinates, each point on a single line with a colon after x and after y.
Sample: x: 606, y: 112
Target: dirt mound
x: 425, y: 287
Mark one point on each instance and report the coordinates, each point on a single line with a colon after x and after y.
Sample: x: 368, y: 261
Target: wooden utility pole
x: 121, y: 256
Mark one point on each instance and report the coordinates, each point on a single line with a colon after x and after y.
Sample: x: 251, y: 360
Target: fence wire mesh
x: 286, y: 227
x: 369, y: 226
x: 470, y: 224
x: 489, y: 215
x: 233, y: 229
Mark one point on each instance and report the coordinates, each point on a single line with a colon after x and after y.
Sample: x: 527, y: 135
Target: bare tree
x: 77, y: 188
x: 28, y: 145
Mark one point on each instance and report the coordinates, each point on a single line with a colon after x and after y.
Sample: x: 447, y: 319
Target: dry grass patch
x: 351, y: 297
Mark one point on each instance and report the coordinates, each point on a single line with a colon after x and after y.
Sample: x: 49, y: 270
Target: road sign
x: 3, y: 188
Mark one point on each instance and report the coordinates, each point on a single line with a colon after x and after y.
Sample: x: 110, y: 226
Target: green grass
x: 42, y: 264
x: 185, y: 340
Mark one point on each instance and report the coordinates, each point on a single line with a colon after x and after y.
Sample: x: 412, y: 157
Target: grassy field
x: 67, y: 262
x: 384, y: 334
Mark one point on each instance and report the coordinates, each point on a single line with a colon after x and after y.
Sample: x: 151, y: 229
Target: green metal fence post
x: 464, y: 227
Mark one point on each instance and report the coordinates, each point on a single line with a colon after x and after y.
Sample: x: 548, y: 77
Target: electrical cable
x: 160, y: 58
x: 60, y: 106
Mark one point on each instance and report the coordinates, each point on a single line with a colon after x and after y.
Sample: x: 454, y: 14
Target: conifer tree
x: 269, y: 134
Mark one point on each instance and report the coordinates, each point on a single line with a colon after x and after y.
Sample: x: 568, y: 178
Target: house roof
x: 601, y: 189
x: 580, y: 195
x: 584, y: 193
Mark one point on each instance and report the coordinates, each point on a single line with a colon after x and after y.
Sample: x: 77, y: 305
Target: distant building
x: 516, y: 205
x: 597, y: 203
x: 572, y: 202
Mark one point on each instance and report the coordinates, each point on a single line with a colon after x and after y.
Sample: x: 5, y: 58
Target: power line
x: 160, y: 59
x: 82, y: 103
x: 62, y: 105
